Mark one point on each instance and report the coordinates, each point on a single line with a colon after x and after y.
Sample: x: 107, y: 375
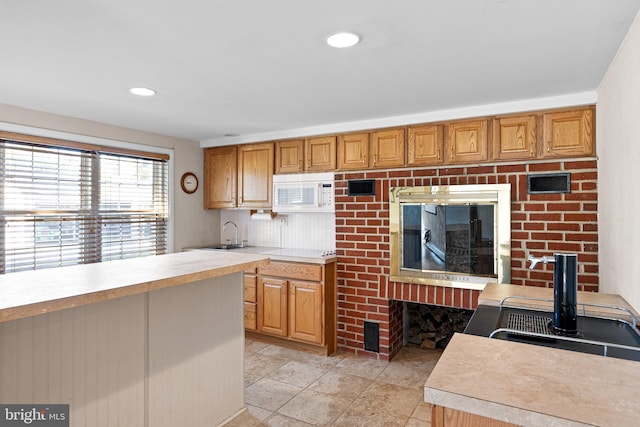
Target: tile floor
x: 285, y: 387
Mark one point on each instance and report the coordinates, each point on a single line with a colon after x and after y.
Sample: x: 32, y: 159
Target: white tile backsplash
x: 304, y: 230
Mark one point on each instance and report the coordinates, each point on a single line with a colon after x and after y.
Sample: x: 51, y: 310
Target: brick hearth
x: 540, y: 224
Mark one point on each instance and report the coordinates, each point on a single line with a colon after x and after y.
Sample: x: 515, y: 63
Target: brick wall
x: 540, y: 224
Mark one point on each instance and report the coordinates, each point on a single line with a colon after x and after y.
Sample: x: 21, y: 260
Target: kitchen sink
x: 605, y: 336
x: 226, y: 246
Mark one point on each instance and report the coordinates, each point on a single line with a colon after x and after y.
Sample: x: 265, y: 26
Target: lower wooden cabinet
x: 272, y: 303
x: 305, y: 311
x: 250, y: 300
x: 447, y: 417
x: 297, y: 302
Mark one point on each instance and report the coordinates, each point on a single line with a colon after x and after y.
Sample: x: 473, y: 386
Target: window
x: 64, y: 203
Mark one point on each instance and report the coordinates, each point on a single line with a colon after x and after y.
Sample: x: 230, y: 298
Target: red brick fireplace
x: 540, y: 224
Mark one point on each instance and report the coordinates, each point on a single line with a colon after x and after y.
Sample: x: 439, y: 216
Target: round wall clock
x: 189, y: 183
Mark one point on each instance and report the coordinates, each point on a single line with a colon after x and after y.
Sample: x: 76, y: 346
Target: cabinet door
x: 387, y: 147
x: 568, y: 133
x: 467, y: 141
x: 272, y: 306
x: 425, y: 145
x: 320, y: 154
x: 220, y: 177
x: 290, y: 156
x: 353, y: 151
x: 305, y: 311
x: 255, y: 175
x: 515, y: 137
x: 250, y: 316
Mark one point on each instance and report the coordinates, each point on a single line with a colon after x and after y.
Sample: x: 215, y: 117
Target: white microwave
x: 308, y: 192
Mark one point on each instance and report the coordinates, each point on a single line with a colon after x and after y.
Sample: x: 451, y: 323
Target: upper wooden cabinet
x: 306, y: 155
x: 568, y: 133
x: 353, y: 151
x: 387, y: 148
x: 238, y: 176
x: 255, y: 175
x: 220, y: 172
x: 379, y: 149
x: 290, y: 156
x: 467, y: 141
x: 320, y: 154
x: 515, y: 137
x: 425, y: 145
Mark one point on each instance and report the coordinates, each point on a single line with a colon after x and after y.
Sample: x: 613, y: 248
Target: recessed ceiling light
x: 343, y: 40
x: 142, y: 91
x: 231, y: 134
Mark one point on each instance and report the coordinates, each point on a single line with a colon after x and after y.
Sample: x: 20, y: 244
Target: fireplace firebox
x: 456, y: 235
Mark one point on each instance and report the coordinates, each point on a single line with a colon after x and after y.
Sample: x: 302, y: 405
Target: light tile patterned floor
x: 285, y: 387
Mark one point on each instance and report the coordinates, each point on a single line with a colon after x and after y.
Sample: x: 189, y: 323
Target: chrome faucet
x: 534, y: 261
x: 224, y: 227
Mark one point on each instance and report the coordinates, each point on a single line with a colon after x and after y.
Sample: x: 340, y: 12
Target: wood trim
x: 52, y: 142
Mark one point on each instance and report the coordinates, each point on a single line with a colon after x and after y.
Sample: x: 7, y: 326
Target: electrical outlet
x: 284, y: 220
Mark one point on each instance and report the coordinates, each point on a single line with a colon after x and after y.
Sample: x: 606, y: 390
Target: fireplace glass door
x: 457, y: 238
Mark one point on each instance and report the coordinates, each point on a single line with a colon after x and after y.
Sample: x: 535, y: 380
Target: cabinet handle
x: 548, y: 146
x: 375, y: 159
x: 531, y: 148
x: 438, y: 153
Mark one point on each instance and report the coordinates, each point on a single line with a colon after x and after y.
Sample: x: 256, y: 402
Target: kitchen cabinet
x: 255, y: 175
x: 353, y: 151
x: 220, y: 172
x: 238, y: 176
x: 297, y: 301
x: 425, y: 145
x: 387, y: 148
x: 316, y: 154
x: 272, y: 306
x: 250, y: 299
x: 305, y: 311
x: 378, y: 149
x: 514, y: 138
x: 320, y: 154
x: 290, y: 156
x: 568, y: 133
x: 467, y: 141
x: 447, y: 417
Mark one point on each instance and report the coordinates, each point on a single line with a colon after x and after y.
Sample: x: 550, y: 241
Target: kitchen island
x: 490, y: 382
x: 155, y: 341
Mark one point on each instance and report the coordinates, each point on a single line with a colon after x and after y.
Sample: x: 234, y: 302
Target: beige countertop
x: 314, y: 256
x: 493, y: 293
x: 532, y: 385
x: 32, y: 293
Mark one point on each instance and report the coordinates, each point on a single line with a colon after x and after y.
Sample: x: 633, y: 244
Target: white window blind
x: 63, y: 205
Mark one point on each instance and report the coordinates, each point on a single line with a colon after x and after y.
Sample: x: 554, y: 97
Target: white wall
x: 302, y: 231
x: 193, y: 225
x: 618, y: 149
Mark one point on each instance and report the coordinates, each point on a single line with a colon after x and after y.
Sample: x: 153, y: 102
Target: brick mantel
x: 540, y: 224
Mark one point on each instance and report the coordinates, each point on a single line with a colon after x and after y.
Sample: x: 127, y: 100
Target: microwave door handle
x: 320, y: 196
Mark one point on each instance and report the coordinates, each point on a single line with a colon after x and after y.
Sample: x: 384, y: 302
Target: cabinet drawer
x: 292, y: 270
x: 250, y: 316
x: 250, y: 288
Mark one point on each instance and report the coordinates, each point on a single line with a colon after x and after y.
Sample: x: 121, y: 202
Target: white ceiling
x: 262, y: 68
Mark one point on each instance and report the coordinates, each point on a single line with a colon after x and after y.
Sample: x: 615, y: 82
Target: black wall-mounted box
x: 361, y: 187
x: 549, y: 183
